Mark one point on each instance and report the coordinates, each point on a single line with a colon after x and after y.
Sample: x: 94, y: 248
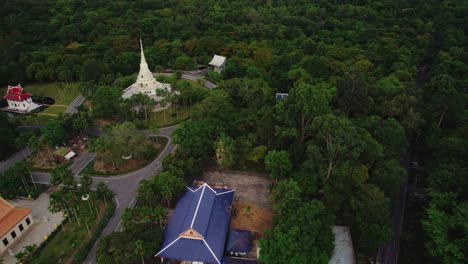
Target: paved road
x: 18, y: 156
x: 82, y: 161
x: 124, y: 186
x: 72, y: 108
x: 388, y: 252
x: 30, y: 126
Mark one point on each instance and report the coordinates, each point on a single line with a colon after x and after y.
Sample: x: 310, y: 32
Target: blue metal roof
x: 239, y: 241
x: 198, y: 227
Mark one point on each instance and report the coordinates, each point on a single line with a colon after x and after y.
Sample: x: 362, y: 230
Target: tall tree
x: 446, y: 226
x: 303, y: 236
x: 278, y: 164
x: 304, y: 103
x: 106, y: 102
x: 336, y: 139
x: 53, y: 132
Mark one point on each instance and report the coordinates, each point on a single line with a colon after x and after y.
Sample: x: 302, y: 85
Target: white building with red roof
x: 19, y: 100
x: 14, y: 222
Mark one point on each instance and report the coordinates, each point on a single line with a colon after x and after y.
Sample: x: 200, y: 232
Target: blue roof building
x: 239, y: 242
x: 198, y: 227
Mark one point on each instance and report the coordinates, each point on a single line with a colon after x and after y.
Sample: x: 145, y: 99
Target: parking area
x: 44, y: 223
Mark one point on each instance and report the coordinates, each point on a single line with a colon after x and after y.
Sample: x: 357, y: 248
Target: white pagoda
x: 146, y: 83
x: 19, y: 101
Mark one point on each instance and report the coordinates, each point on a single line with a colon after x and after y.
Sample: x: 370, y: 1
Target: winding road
x: 124, y: 186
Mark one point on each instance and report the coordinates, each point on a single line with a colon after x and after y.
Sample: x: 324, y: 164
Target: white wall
x: 19, y: 105
x: 19, y: 234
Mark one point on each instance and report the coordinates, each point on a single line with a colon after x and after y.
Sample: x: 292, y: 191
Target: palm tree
x: 139, y: 249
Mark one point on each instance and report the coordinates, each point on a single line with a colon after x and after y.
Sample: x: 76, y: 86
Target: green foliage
x: 399, y: 72
x: 336, y: 139
x: 62, y: 175
x: 120, y: 247
x: 226, y: 151
x: 302, y: 236
x: 185, y: 63
x: 214, y: 76
x: 106, y: 102
x: 305, y: 102
x: 13, y: 181
x: 286, y: 198
x: 53, y: 132
x: 7, y: 136
x: 83, y: 252
x: 446, y: 226
x: 278, y: 164
x: 165, y: 186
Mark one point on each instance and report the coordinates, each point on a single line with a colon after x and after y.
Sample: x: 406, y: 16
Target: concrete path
x: 72, y: 108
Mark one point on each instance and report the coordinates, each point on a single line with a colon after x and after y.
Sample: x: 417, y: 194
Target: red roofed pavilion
x: 19, y: 100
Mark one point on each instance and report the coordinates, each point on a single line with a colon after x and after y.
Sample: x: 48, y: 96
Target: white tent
x: 69, y: 155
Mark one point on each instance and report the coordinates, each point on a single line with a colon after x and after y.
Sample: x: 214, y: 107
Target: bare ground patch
x: 252, y: 207
x: 250, y: 187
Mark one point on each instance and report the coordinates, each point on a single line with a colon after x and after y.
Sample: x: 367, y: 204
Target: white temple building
x: 146, y: 83
x: 19, y: 101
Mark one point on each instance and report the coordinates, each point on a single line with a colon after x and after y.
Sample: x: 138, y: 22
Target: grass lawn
x: 62, y: 93
x: 55, y: 109
x: 170, y: 116
x: 64, y: 244
x: 194, y: 84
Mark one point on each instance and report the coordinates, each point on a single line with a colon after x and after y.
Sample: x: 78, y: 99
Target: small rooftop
x: 217, y: 61
x: 16, y: 93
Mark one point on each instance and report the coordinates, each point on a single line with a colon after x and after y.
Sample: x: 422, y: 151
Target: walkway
x: 192, y: 77
x: 72, y: 108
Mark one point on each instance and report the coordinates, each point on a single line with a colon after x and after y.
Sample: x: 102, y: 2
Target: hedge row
x: 83, y: 252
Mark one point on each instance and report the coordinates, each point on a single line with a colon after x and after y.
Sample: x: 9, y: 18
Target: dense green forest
x: 373, y: 86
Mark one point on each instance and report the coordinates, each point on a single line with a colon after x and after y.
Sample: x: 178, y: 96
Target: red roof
x: 16, y: 93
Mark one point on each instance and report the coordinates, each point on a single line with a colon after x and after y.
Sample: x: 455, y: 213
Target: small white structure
x: 14, y: 222
x: 218, y: 63
x: 19, y: 101
x: 280, y: 96
x: 146, y: 83
x: 69, y: 155
x: 343, y: 253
